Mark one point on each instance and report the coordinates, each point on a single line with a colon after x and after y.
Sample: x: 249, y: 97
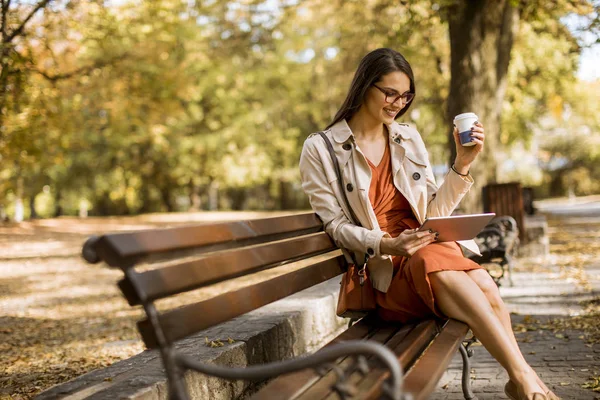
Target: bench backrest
x: 192, y: 257
x: 505, y: 199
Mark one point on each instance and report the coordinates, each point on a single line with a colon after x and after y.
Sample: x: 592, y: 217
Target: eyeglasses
x: 392, y: 97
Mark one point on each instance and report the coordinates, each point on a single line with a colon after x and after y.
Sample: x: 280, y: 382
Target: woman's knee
x: 487, y: 286
x: 446, y: 279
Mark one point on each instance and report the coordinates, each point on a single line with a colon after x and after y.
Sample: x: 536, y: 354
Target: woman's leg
x: 491, y: 292
x: 459, y: 297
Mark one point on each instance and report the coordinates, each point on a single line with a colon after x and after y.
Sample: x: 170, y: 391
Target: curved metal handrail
x: 393, y: 389
x: 88, y: 252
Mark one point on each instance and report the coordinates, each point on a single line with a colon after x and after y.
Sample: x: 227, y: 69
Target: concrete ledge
x: 290, y: 327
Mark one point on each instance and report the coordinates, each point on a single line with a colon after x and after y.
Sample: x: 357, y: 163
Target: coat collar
x: 341, y: 132
x: 398, y: 131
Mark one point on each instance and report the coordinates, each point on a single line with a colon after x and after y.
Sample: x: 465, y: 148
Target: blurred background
x: 152, y: 113
x: 127, y: 107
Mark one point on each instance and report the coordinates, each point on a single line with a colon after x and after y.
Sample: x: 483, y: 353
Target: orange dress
x: 409, y: 296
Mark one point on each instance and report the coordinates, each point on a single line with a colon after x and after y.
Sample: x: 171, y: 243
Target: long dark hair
x: 372, y: 67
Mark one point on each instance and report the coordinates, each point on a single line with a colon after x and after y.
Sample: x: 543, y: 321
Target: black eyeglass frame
x: 406, y: 97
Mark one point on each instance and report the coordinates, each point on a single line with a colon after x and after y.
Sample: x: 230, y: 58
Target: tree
x: 482, y: 34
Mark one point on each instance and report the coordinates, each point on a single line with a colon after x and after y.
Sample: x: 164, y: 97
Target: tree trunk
x: 557, y: 184
x: 213, y: 195
x: 284, y: 195
x: 481, y: 38
x: 19, y: 211
x: 238, y: 198
x: 195, y: 199
x: 58, y: 210
x: 167, y: 198
x: 33, y: 213
x: 4, y: 54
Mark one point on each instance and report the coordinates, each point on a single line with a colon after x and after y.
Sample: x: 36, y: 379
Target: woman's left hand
x: 466, y: 154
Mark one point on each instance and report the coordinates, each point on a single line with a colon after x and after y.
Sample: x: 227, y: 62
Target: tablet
x: 457, y: 227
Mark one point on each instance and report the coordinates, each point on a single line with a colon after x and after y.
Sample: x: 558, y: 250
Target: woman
x: 391, y: 189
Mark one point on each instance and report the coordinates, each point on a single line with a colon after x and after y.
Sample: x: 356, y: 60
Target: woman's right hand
x: 407, y: 243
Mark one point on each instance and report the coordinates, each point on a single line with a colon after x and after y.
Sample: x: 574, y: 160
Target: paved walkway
x: 561, y: 358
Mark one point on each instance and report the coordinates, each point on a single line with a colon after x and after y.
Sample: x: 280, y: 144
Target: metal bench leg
x: 466, y: 372
x: 510, y: 262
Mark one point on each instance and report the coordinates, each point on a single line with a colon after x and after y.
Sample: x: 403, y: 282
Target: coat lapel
x: 399, y: 150
x: 355, y: 171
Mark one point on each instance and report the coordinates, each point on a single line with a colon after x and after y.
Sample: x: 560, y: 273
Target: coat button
x: 416, y: 176
x: 347, y: 146
x: 349, y: 187
x: 370, y: 251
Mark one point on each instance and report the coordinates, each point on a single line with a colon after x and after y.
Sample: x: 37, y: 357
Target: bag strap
x: 338, y: 172
x: 353, y: 218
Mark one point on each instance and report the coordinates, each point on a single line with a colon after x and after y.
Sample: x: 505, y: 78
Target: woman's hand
x: 466, y: 154
x: 407, y: 243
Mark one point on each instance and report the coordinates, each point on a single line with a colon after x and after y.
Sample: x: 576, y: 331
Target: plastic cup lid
x: 465, y: 115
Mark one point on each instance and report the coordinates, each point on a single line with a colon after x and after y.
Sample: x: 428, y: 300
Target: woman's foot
x: 549, y: 393
x: 513, y: 393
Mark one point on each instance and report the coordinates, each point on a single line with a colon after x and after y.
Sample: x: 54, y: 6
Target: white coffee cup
x: 464, y: 122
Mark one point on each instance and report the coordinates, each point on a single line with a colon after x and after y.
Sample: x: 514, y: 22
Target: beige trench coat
x: 413, y: 177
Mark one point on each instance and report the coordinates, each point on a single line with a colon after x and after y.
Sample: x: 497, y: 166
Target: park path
x: 60, y: 317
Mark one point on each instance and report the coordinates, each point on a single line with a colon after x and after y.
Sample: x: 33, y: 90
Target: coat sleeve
x: 443, y: 200
x: 325, y: 204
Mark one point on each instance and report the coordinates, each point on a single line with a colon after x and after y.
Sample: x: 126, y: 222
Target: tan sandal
x: 513, y: 390
x: 510, y: 389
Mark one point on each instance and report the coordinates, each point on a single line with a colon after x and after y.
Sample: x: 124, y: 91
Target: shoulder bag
x: 357, y: 296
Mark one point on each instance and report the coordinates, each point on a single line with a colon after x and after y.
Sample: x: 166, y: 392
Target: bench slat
x: 422, y: 379
x: 184, y: 321
x: 408, y: 344
x: 322, y: 388
x: 125, y: 249
x: 288, y: 387
x: 178, y: 278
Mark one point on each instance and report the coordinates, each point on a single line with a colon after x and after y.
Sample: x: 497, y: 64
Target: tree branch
x: 19, y: 30
x: 5, y: 7
x: 78, y: 71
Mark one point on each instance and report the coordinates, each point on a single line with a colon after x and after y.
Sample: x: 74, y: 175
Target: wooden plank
x: 422, y: 379
x: 178, y: 278
x: 184, y: 321
x: 408, y: 349
x: 322, y: 390
x: 125, y: 249
x: 290, y: 386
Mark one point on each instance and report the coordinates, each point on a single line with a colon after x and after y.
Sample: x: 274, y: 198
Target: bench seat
x: 424, y: 350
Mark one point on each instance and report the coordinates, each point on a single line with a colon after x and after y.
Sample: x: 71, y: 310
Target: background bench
x: 498, y: 243
x: 162, y: 263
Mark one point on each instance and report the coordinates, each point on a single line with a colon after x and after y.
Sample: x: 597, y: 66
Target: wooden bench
x: 497, y: 243
x: 191, y: 257
x: 506, y: 199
